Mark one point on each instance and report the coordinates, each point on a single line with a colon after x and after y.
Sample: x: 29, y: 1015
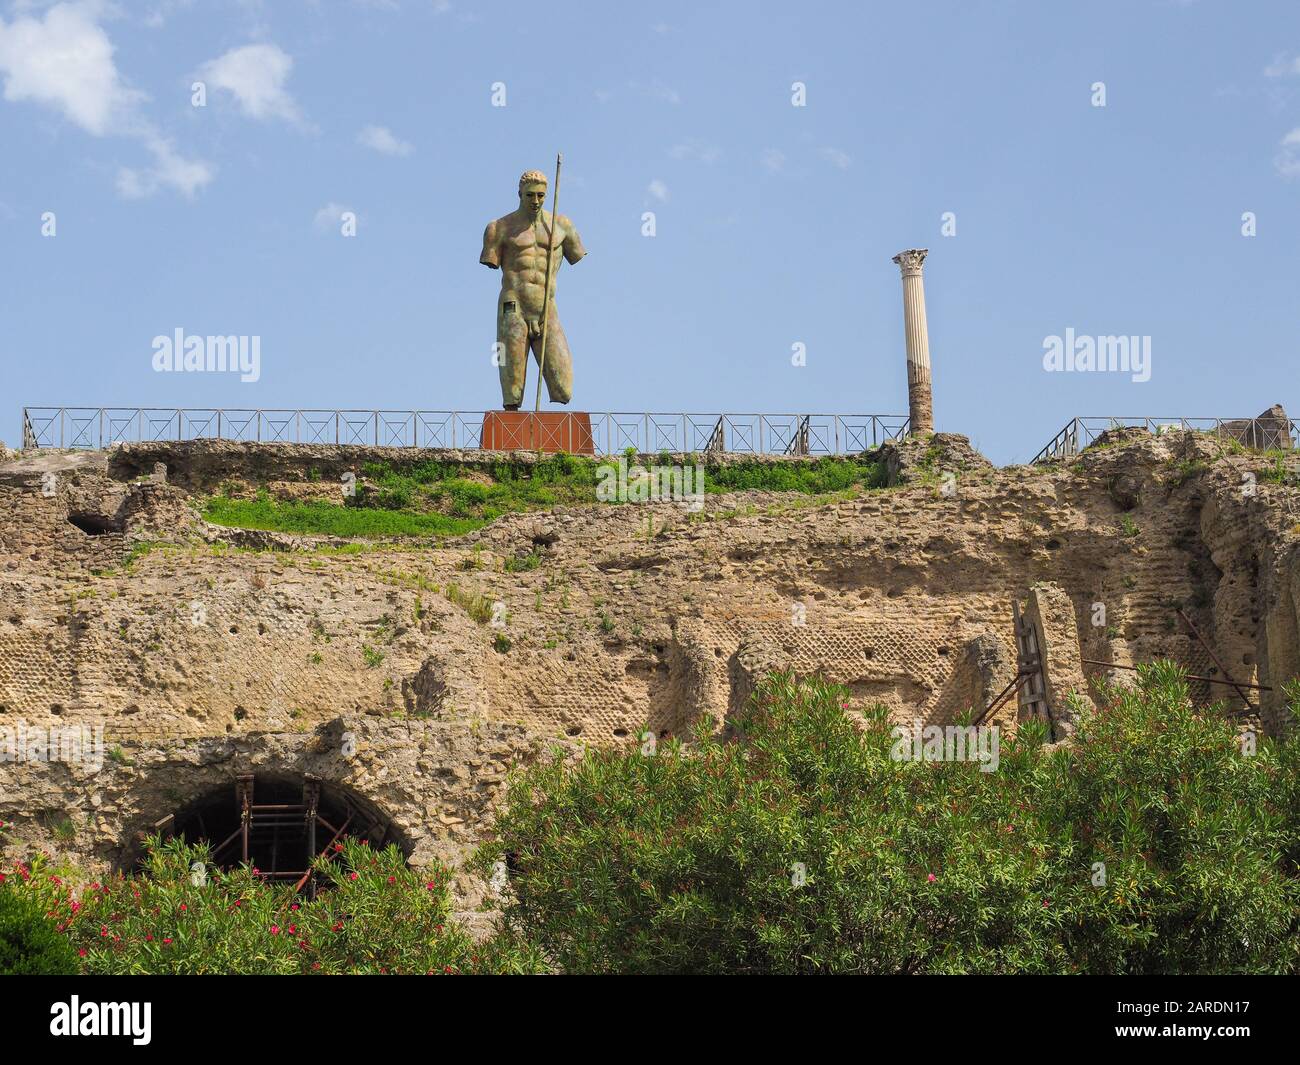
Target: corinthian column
x: 919, y: 402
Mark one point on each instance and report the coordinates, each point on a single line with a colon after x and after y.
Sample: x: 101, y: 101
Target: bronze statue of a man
x: 516, y: 245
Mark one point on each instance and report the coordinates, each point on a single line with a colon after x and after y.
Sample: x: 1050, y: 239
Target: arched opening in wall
x: 93, y: 524
x: 278, y: 824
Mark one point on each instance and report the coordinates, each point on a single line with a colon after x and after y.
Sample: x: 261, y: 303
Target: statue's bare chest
x: 529, y: 240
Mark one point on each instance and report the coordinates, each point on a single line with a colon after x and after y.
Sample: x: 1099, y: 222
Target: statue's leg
x: 559, y: 365
x: 512, y: 335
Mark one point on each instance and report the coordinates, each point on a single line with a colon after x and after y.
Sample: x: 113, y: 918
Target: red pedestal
x: 516, y: 430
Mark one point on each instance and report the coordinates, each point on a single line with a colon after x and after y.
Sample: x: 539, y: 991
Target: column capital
x: 909, y: 262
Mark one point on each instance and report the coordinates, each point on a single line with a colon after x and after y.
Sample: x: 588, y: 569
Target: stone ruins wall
x: 201, y: 653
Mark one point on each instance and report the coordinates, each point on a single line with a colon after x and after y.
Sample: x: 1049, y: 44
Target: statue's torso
x: 523, y: 258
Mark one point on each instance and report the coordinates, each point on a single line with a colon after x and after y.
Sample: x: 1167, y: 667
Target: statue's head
x: 532, y: 191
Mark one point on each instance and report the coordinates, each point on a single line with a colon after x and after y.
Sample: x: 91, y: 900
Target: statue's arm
x: 491, y: 247
x: 573, y: 249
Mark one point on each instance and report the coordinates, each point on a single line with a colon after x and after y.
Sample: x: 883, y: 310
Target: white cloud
x: 186, y: 176
x: 836, y: 157
x: 158, y: 17
x: 1281, y: 68
x: 703, y: 153
x: 255, y: 75
x: 773, y: 160
x: 331, y: 216
x: 382, y: 140
x: 1288, y: 158
x: 658, y: 190
x: 65, y: 61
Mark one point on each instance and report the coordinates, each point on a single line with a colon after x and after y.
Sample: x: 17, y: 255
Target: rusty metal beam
x: 1215, y: 658
x: 1190, y: 676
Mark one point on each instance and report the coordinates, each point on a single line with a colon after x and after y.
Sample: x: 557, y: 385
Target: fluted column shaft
x: 920, y: 401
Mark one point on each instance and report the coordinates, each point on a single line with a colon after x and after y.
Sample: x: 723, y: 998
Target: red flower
x: 75, y: 907
x: 315, y: 965
x: 338, y: 927
x: 293, y: 928
x: 149, y: 937
x: 275, y: 929
x: 294, y: 906
x: 183, y: 907
x: 392, y: 880
x: 430, y: 885
x: 81, y: 953
x: 167, y: 940
x: 930, y: 879
x: 2, y: 878
x: 353, y: 876
x: 338, y: 847
x: 102, y: 931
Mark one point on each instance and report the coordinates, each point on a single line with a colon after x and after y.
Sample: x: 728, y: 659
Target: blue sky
x: 775, y: 224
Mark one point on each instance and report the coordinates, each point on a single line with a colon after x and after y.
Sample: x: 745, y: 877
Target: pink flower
x: 183, y: 907
x: 431, y: 885
x: 81, y: 953
x: 275, y: 929
x: 293, y: 928
x: 294, y: 906
x: 102, y: 931
x: 75, y: 907
x: 149, y: 937
x: 167, y: 940
x: 930, y: 879
x: 392, y: 880
x: 353, y: 876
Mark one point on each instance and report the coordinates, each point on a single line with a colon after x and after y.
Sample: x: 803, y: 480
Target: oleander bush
x: 29, y: 943
x: 1155, y: 843
x: 180, y: 915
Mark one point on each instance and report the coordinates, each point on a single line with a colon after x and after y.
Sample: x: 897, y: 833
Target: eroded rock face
x: 908, y: 461
x: 902, y: 595
x: 1051, y: 613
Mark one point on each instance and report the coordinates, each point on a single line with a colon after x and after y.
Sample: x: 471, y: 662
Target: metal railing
x: 1267, y: 433
x: 95, y: 428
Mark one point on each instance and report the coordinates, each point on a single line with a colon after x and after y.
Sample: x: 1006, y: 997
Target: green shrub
x: 29, y: 942
x: 808, y: 848
x: 378, y: 917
